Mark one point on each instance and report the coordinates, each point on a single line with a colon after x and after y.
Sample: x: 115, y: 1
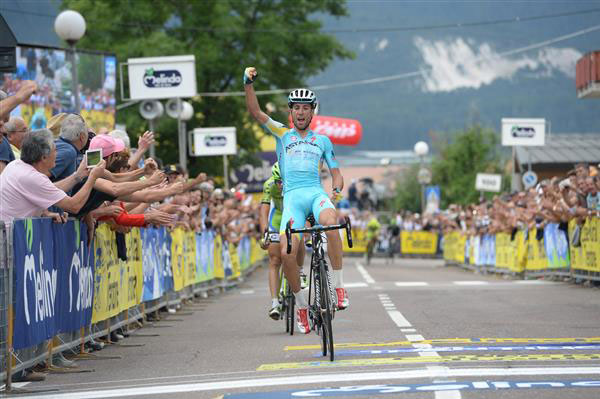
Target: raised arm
x: 251, y: 100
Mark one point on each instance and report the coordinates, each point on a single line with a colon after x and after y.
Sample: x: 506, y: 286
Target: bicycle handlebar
x: 317, y: 229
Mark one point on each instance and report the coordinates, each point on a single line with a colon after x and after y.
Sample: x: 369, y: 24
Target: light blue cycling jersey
x: 300, y: 164
x: 300, y: 158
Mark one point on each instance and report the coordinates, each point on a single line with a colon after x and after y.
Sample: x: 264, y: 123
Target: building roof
x: 31, y: 22
x: 562, y: 149
x: 378, y: 158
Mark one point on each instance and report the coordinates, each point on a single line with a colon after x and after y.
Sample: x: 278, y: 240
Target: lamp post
x: 186, y: 113
x: 70, y: 26
x: 424, y: 176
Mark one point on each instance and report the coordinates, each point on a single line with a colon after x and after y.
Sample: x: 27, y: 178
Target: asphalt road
x: 414, y: 329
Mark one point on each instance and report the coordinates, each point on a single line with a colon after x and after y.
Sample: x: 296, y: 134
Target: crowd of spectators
x: 556, y: 200
x: 44, y: 173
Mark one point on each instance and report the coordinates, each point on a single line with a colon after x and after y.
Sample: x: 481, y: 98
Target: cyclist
x: 271, y: 209
x: 299, y: 152
x: 373, y: 227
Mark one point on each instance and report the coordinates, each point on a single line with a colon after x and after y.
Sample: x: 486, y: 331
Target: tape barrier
x: 523, y: 251
x: 54, y: 280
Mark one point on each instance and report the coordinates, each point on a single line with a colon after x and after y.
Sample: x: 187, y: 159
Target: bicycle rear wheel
x: 326, y: 311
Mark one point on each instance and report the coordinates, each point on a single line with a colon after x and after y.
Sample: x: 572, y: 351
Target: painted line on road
x: 407, y: 330
x: 411, y: 283
x: 517, y: 348
x: 470, y: 283
x: 355, y: 285
x: 314, y: 379
x: 442, y: 390
x: 535, y: 282
x: 430, y: 359
x: 247, y: 292
x: 365, y: 274
x: 398, y: 318
x: 443, y: 341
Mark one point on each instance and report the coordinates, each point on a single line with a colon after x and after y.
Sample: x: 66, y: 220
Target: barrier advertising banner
x: 107, y: 275
x: 418, y: 242
x: 177, y: 258
x: 151, y: 263
x: 56, y: 288
x: 556, y: 246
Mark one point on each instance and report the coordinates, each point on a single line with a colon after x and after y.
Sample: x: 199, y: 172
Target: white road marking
x: 470, y: 282
x: 365, y: 274
x: 535, y: 282
x: 405, y: 330
x: 355, y: 285
x: 411, y: 283
x: 415, y: 337
x: 398, y: 318
x: 316, y: 379
x: 247, y: 292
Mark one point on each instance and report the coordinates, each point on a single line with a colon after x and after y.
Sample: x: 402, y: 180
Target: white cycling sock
x: 274, y: 302
x: 338, y: 279
x: 301, y: 301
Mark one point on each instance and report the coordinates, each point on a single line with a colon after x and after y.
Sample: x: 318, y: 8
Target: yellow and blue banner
x: 53, y: 288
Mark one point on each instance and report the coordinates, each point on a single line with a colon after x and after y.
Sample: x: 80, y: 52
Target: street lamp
x: 70, y: 26
x: 424, y: 176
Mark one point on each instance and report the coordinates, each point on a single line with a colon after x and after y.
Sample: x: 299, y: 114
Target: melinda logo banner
x: 54, y: 289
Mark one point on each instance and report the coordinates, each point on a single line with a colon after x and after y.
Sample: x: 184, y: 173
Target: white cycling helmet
x: 302, y: 96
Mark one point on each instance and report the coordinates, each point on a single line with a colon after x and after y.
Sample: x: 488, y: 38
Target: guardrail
x: 59, y: 291
x: 530, y: 253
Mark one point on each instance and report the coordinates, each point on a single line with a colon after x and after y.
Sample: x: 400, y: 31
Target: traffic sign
x: 424, y: 176
x: 488, y: 182
x: 529, y: 179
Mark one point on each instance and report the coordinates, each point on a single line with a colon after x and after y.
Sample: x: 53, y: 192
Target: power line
x: 354, y: 30
x: 408, y: 74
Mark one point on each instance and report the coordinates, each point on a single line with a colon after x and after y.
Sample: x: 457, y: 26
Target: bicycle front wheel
x: 326, y: 311
x: 289, y: 311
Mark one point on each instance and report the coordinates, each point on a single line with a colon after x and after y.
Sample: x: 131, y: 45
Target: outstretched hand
x: 250, y: 75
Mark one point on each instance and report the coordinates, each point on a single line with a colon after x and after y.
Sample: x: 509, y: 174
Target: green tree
x: 454, y: 168
x: 281, y: 38
x: 457, y: 159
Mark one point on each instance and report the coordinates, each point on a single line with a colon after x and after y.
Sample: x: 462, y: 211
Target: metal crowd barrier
x: 73, y: 342
x: 527, y: 254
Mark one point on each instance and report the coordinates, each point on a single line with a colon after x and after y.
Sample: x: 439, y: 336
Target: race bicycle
x: 321, y: 294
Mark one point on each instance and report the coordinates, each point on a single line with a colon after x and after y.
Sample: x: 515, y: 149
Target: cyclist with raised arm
x: 299, y: 153
x: 271, y: 209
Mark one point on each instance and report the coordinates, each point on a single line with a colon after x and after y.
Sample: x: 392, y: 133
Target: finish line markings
x: 466, y: 349
x: 446, y: 341
x: 320, y: 378
x: 429, y: 358
x: 437, y: 388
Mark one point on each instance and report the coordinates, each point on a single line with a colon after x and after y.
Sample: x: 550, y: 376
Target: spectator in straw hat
x: 55, y: 122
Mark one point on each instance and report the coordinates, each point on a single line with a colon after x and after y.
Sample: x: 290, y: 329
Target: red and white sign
x: 340, y: 131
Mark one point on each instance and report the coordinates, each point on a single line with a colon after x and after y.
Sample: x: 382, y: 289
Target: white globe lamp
x: 421, y: 148
x: 70, y: 26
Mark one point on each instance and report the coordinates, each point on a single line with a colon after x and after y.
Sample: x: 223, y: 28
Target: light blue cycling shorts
x: 301, y: 202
